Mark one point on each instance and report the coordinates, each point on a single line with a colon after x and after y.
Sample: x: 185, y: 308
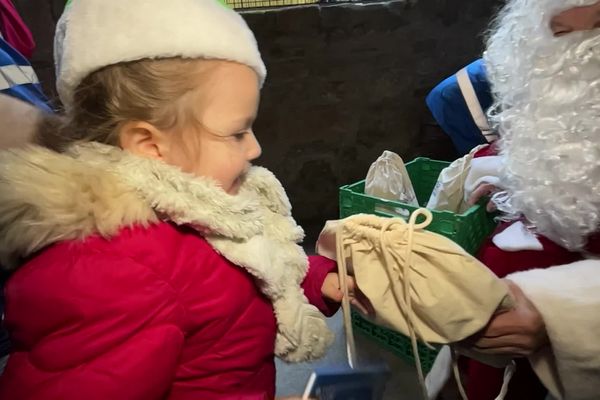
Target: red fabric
x: 489, y: 150
x: 593, y: 244
x: 503, y: 263
x: 318, y: 270
x: 484, y: 382
x: 14, y: 30
x: 154, y: 313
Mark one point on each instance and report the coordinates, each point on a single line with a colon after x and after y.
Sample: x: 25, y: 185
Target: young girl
x: 153, y: 261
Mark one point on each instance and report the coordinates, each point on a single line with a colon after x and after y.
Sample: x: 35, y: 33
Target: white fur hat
x: 92, y: 34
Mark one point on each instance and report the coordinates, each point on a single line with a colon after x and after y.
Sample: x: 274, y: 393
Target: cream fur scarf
x: 46, y: 197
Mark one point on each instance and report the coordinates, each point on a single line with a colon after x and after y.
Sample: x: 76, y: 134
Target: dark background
x: 345, y: 82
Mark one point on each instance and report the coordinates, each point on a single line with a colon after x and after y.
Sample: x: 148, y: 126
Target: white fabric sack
x: 388, y: 179
x: 449, y: 191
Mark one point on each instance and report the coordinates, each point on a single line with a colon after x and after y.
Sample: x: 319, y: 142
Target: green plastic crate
x: 245, y: 4
x: 397, y: 343
x: 469, y: 230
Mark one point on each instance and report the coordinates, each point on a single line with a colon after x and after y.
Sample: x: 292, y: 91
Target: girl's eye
x: 239, y: 136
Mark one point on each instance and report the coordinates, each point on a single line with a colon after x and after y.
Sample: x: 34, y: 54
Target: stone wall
x: 345, y: 83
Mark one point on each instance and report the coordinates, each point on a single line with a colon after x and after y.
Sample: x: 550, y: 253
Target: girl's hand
x: 331, y: 291
x: 517, y: 332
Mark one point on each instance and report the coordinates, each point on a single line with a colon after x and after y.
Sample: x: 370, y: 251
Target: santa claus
x: 543, y: 62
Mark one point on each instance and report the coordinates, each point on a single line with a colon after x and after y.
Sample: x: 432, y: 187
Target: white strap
x: 509, y: 371
x: 342, y: 273
x: 455, y: 370
x: 468, y: 92
x: 15, y: 75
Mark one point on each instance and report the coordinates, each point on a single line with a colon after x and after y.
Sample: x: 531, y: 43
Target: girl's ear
x: 144, y: 139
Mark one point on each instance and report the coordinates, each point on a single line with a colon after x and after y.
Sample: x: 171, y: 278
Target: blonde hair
x: 153, y: 91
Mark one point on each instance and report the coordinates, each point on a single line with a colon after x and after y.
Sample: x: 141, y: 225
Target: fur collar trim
x: 46, y: 197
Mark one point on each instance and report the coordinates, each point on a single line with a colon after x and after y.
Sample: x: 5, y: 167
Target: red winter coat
x: 152, y: 312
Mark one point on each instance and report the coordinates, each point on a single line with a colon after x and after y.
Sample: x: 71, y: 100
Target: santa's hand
x: 483, y: 190
x: 331, y: 291
x: 517, y: 332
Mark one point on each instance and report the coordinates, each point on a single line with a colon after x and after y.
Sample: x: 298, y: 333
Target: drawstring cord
x: 342, y: 273
x: 403, y: 303
x: 405, y: 272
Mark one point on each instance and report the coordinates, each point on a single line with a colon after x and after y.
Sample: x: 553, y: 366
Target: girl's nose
x: 254, y: 149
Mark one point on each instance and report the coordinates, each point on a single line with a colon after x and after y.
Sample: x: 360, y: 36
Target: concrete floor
x: 403, y: 384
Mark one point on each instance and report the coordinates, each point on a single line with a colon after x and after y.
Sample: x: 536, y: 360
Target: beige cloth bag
x: 416, y: 277
x: 420, y: 283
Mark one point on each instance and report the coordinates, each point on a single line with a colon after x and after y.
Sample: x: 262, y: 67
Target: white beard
x: 547, y: 110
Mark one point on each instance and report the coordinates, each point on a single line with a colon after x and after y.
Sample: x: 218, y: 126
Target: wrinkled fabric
x: 388, y: 179
x: 410, y: 275
x: 428, y: 273
x: 449, y: 191
x: 449, y: 108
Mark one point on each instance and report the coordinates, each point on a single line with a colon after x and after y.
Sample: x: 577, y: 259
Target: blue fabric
x: 450, y: 110
x: 30, y: 92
